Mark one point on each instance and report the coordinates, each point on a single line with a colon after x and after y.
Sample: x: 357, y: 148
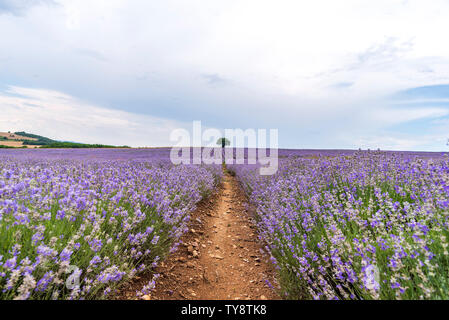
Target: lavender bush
x: 66, y: 216
x: 363, y: 225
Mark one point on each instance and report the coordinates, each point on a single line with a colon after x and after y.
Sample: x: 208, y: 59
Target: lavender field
x: 337, y: 224
x: 355, y: 225
x: 99, y: 216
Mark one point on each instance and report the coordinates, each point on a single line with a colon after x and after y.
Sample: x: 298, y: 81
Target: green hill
x: 45, y: 142
x: 41, y: 141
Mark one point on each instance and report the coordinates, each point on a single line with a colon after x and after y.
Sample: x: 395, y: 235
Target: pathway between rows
x: 220, y: 257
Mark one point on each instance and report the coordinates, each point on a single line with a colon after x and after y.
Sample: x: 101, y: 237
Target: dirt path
x: 220, y: 257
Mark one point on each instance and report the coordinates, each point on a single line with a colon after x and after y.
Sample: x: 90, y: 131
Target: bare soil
x: 16, y: 144
x: 220, y: 258
x: 13, y: 136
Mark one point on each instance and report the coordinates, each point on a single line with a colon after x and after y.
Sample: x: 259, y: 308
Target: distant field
x: 13, y: 136
x: 16, y: 144
x: 14, y: 140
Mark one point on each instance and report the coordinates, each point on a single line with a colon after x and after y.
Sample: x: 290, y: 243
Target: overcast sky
x: 327, y: 74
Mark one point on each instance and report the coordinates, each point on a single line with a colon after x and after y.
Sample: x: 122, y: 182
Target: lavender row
x: 77, y: 228
x: 366, y: 225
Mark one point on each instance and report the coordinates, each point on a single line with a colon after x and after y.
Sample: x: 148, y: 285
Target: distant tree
x: 223, y: 142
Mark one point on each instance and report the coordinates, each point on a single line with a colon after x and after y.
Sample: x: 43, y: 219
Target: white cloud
x: 283, y: 64
x: 19, y: 7
x: 427, y: 142
x: 389, y: 117
x: 287, y: 46
x: 60, y: 116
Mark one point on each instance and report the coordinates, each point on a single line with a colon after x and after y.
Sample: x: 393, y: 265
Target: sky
x: 326, y: 74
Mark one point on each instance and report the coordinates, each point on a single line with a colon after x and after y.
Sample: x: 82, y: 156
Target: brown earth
x: 16, y: 144
x: 13, y: 136
x: 220, y: 258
